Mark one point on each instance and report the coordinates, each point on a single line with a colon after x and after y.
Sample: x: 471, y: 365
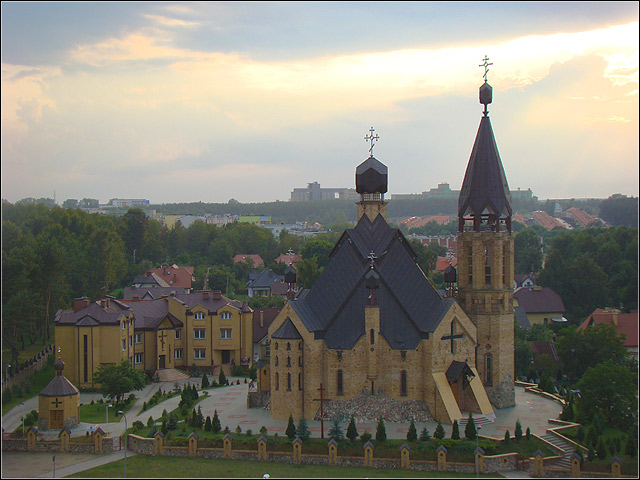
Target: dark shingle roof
x: 59, y: 386
x: 485, y: 183
x: 93, y: 314
x: 265, y: 279
x: 539, y: 300
x: 267, y: 315
x: 334, y: 308
x: 287, y: 331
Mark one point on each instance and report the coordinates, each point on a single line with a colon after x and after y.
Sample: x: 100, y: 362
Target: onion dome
x: 371, y: 177
x: 59, y: 366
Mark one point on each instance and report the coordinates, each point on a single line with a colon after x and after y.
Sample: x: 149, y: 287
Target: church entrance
x: 459, y: 374
x: 56, y: 419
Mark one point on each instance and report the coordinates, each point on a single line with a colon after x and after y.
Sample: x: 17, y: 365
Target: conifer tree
x: 630, y: 447
x: 424, y: 435
x: 200, y: 418
x: 303, y: 430
x: 439, y: 433
x: 150, y: 421
x: 507, y: 437
x: 601, y: 449
x: 207, y: 424
x: 381, y: 431
x: 528, y: 434
x: 591, y: 454
x: 172, y: 424
x: 352, y: 431
x: 222, y: 379
x: 455, y: 431
x: 194, y: 419
x: 470, y: 430
x: 412, y: 433
x: 164, y: 428
x: 215, y: 422
x: 592, y: 436
x: 336, y: 432
x: 205, y: 381
x: 291, y: 428
x: 518, y: 432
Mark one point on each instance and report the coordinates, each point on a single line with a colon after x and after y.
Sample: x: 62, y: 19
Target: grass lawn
x: 97, y: 413
x: 173, y: 467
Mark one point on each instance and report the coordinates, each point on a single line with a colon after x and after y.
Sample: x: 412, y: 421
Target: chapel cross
x: 57, y: 402
x: 371, y: 138
x: 452, y: 337
x: 321, y: 400
x: 372, y: 258
x: 290, y: 253
x: 485, y: 64
x: 162, y: 337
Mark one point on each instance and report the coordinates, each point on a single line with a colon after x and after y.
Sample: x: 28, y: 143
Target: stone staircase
x: 479, y: 420
x: 565, y: 461
x: 171, y: 375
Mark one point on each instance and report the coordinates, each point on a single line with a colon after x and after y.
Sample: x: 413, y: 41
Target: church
x: 374, y: 324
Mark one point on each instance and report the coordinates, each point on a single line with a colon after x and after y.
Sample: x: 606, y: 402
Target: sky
x: 187, y: 102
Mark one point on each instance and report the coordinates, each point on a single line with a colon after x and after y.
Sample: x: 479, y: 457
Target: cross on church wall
x: 57, y: 402
x: 162, y: 337
x: 452, y: 337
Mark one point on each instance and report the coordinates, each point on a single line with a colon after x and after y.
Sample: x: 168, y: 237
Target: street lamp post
x: 6, y: 375
x: 107, y: 408
x: 22, y: 405
x: 478, y: 428
x: 120, y: 412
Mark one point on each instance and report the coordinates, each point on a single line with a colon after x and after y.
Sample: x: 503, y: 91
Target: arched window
x: 488, y: 369
x: 403, y: 383
x: 487, y: 265
x: 339, y: 382
x: 277, y: 381
x: 299, y: 345
x: 372, y: 336
x: 300, y: 381
x: 276, y: 345
x: 288, y: 382
x: 288, y: 361
x: 300, y: 361
x: 288, y: 345
x: 276, y: 361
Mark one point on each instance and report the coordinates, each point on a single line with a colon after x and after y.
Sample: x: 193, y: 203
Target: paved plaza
x: 230, y: 402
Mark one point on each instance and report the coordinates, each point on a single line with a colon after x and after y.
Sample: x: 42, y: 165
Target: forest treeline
x: 51, y: 255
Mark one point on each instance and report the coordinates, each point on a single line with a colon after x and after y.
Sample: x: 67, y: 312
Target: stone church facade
x: 374, y: 324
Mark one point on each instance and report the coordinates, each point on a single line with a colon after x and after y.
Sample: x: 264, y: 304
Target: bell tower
x: 371, y: 184
x: 485, y: 259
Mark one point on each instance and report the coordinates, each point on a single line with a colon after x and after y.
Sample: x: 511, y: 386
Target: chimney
x: 216, y: 295
x: 80, y: 303
x: 615, y: 317
x: 104, y: 302
x: 173, y: 293
x: 205, y: 294
x: 261, y: 318
x: 136, y: 298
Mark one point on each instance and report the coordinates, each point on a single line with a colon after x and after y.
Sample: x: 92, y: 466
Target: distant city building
x: 303, y: 228
x: 448, y: 241
x: 255, y: 219
x: 315, y: 192
x: 128, y: 202
x: 443, y: 190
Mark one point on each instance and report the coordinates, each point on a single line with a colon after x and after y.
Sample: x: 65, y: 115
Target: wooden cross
x: 452, y: 337
x: 485, y: 64
x: 371, y: 138
x: 162, y: 337
x: 321, y: 400
x: 57, y: 403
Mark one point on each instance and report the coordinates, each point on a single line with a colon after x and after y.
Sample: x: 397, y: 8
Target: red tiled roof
x: 257, y: 259
x: 415, y: 222
x: 443, y: 262
x: 627, y: 324
x: 543, y: 347
x: 546, y: 220
x: 284, y: 258
x: 581, y: 216
x: 174, y: 275
x: 539, y: 300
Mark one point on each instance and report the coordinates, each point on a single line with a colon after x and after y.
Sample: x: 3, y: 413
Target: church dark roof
x: 485, y: 189
x: 371, y: 176
x: 334, y: 309
x: 59, y: 386
x: 287, y: 331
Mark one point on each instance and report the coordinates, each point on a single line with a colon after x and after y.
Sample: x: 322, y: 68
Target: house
x: 265, y: 284
x: 201, y: 328
x: 541, y: 305
x: 442, y: 263
x: 625, y: 323
x: 256, y: 259
x: 173, y: 275
x: 523, y: 280
x: 151, y: 287
x: 262, y: 318
x: 287, y: 258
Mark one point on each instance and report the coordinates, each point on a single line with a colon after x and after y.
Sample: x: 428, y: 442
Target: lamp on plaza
x: 22, y: 405
x: 107, y: 408
x: 6, y: 376
x: 478, y: 428
x: 120, y: 412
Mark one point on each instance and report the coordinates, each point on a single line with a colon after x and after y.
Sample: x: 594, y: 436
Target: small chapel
x: 374, y: 324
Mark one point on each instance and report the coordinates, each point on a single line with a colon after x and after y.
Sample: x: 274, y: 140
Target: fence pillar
x: 538, y: 463
x: 226, y: 446
x: 368, y: 454
x: 404, y: 456
x: 158, y: 443
x: 478, y: 455
x: 297, y: 450
x: 262, y: 448
x: 65, y: 435
x: 616, y: 467
x: 98, y: 435
x: 442, y: 458
x: 575, y: 465
x: 333, y: 451
x: 193, y: 444
x: 32, y: 438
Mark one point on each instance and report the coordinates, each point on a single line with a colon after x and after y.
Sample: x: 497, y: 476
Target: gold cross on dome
x: 485, y: 64
x: 371, y: 138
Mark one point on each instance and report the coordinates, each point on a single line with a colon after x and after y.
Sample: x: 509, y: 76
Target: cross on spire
x: 290, y: 254
x: 485, y: 64
x: 371, y: 138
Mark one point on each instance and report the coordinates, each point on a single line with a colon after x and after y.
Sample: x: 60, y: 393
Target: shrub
x: 215, y: 422
x: 381, y: 431
x: 303, y: 430
x: 207, y: 424
x: 528, y: 434
x: 222, y: 379
x: 455, y: 431
x: 611, y: 446
x: 237, y: 371
x: 291, y: 428
x: 150, y: 422
x: 439, y: 433
x: 518, y: 432
x: 263, y: 430
x: 238, y: 430
x: 424, y: 435
x: 365, y: 437
x: 7, y: 395
x: 336, y: 432
x: 591, y: 455
x: 507, y: 437
x: 631, y: 448
x: 138, y: 424
x: 599, y: 423
x: 592, y: 436
x: 601, y: 451
x: 470, y: 430
x: 352, y: 431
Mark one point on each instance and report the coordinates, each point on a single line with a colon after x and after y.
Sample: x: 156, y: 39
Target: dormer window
x: 225, y: 316
x: 198, y: 316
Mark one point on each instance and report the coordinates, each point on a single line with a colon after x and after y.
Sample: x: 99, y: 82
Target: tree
x: 424, y: 435
x: 116, y: 380
x: 507, y: 437
x: 352, y: 431
x: 518, y: 431
x: 320, y: 249
x: 528, y: 434
x: 303, y: 429
x: 291, y: 428
x: 381, y: 431
x: 610, y: 389
x: 215, y: 422
x: 172, y: 423
x: 470, y: 429
x: 601, y: 450
x: 205, y: 380
x: 207, y: 424
x: 222, y: 379
x: 527, y: 252
x: 308, y: 272
x: 630, y: 447
x: 455, y: 431
x: 335, y: 432
x: 620, y: 210
x: 439, y: 433
x: 412, y: 434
